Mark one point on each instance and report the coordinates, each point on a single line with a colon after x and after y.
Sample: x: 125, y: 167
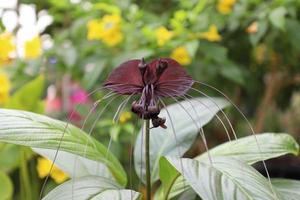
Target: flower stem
x: 147, y: 152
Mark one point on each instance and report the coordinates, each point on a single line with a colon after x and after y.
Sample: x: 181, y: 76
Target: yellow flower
x: 33, y: 48
x: 225, y: 6
x: 94, y: 27
x: 111, y: 21
x: 43, y: 168
x: 107, y: 29
x: 181, y: 55
x: 125, y: 117
x: 4, y: 88
x: 163, y: 35
x: 7, y: 47
x: 113, y: 38
x: 212, y: 34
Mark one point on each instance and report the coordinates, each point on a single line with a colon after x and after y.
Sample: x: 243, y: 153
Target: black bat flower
x: 163, y: 77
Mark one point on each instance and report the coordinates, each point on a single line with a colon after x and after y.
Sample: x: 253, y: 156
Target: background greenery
x: 249, y: 49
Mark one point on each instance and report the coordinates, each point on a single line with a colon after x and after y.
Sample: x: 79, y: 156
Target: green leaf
x: 232, y: 72
x: 189, y: 194
x: 246, y: 150
x: 29, y: 129
x: 166, y: 142
x: 167, y: 174
x: 213, y: 51
x: 6, y: 189
x: 293, y: 29
x: 74, y: 165
x: 29, y: 96
x: 288, y: 189
x: 262, y: 29
x: 200, y: 6
x: 89, y: 187
x: 118, y: 195
x: 107, y: 8
x: 277, y: 17
x: 11, y: 154
x: 226, y: 178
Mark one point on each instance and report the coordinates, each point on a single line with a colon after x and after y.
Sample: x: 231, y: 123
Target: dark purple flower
x: 163, y: 77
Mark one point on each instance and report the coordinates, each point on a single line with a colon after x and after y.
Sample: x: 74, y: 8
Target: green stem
x: 147, y: 152
x: 24, y: 175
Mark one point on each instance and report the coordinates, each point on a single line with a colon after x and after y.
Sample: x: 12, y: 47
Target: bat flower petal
x: 163, y: 77
x: 126, y: 79
x: 174, y: 81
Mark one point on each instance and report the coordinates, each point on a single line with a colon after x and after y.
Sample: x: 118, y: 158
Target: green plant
x: 230, y: 169
x: 246, y: 48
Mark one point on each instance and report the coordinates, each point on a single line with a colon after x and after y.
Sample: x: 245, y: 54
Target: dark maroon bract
x: 163, y: 77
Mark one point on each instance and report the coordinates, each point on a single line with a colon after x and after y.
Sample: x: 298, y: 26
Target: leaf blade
x: 29, y: 129
x: 246, y: 150
x: 163, y: 141
x: 289, y: 189
x: 224, y: 179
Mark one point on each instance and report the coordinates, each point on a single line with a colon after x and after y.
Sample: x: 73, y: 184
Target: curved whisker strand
x: 176, y: 139
x: 226, y: 117
x: 108, y: 95
x: 127, y: 100
x: 118, y: 111
x: 251, y: 128
x: 224, y: 126
x: 95, y: 122
x: 82, y: 127
x: 60, y: 141
x: 200, y: 128
x: 108, y: 146
x: 121, y: 108
x: 130, y: 156
x: 217, y: 116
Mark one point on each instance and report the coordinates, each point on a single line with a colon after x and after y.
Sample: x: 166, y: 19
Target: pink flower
x: 77, y: 96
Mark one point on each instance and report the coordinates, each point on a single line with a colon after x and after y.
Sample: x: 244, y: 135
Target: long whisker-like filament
x: 82, y: 128
x: 172, y: 125
x: 95, y: 122
x: 121, y: 108
x: 175, y: 136
x: 217, y: 116
x: 116, y: 119
x: 60, y: 141
x: 226, y: 117
x: 130, y: 156
x: 221, y: 121
x: 249, y: 125
x: 202, y: 134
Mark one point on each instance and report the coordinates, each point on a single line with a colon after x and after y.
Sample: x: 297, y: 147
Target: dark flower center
x: 147, y: 106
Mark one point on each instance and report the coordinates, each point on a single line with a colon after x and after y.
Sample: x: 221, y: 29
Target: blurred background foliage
x: 54, y: 52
